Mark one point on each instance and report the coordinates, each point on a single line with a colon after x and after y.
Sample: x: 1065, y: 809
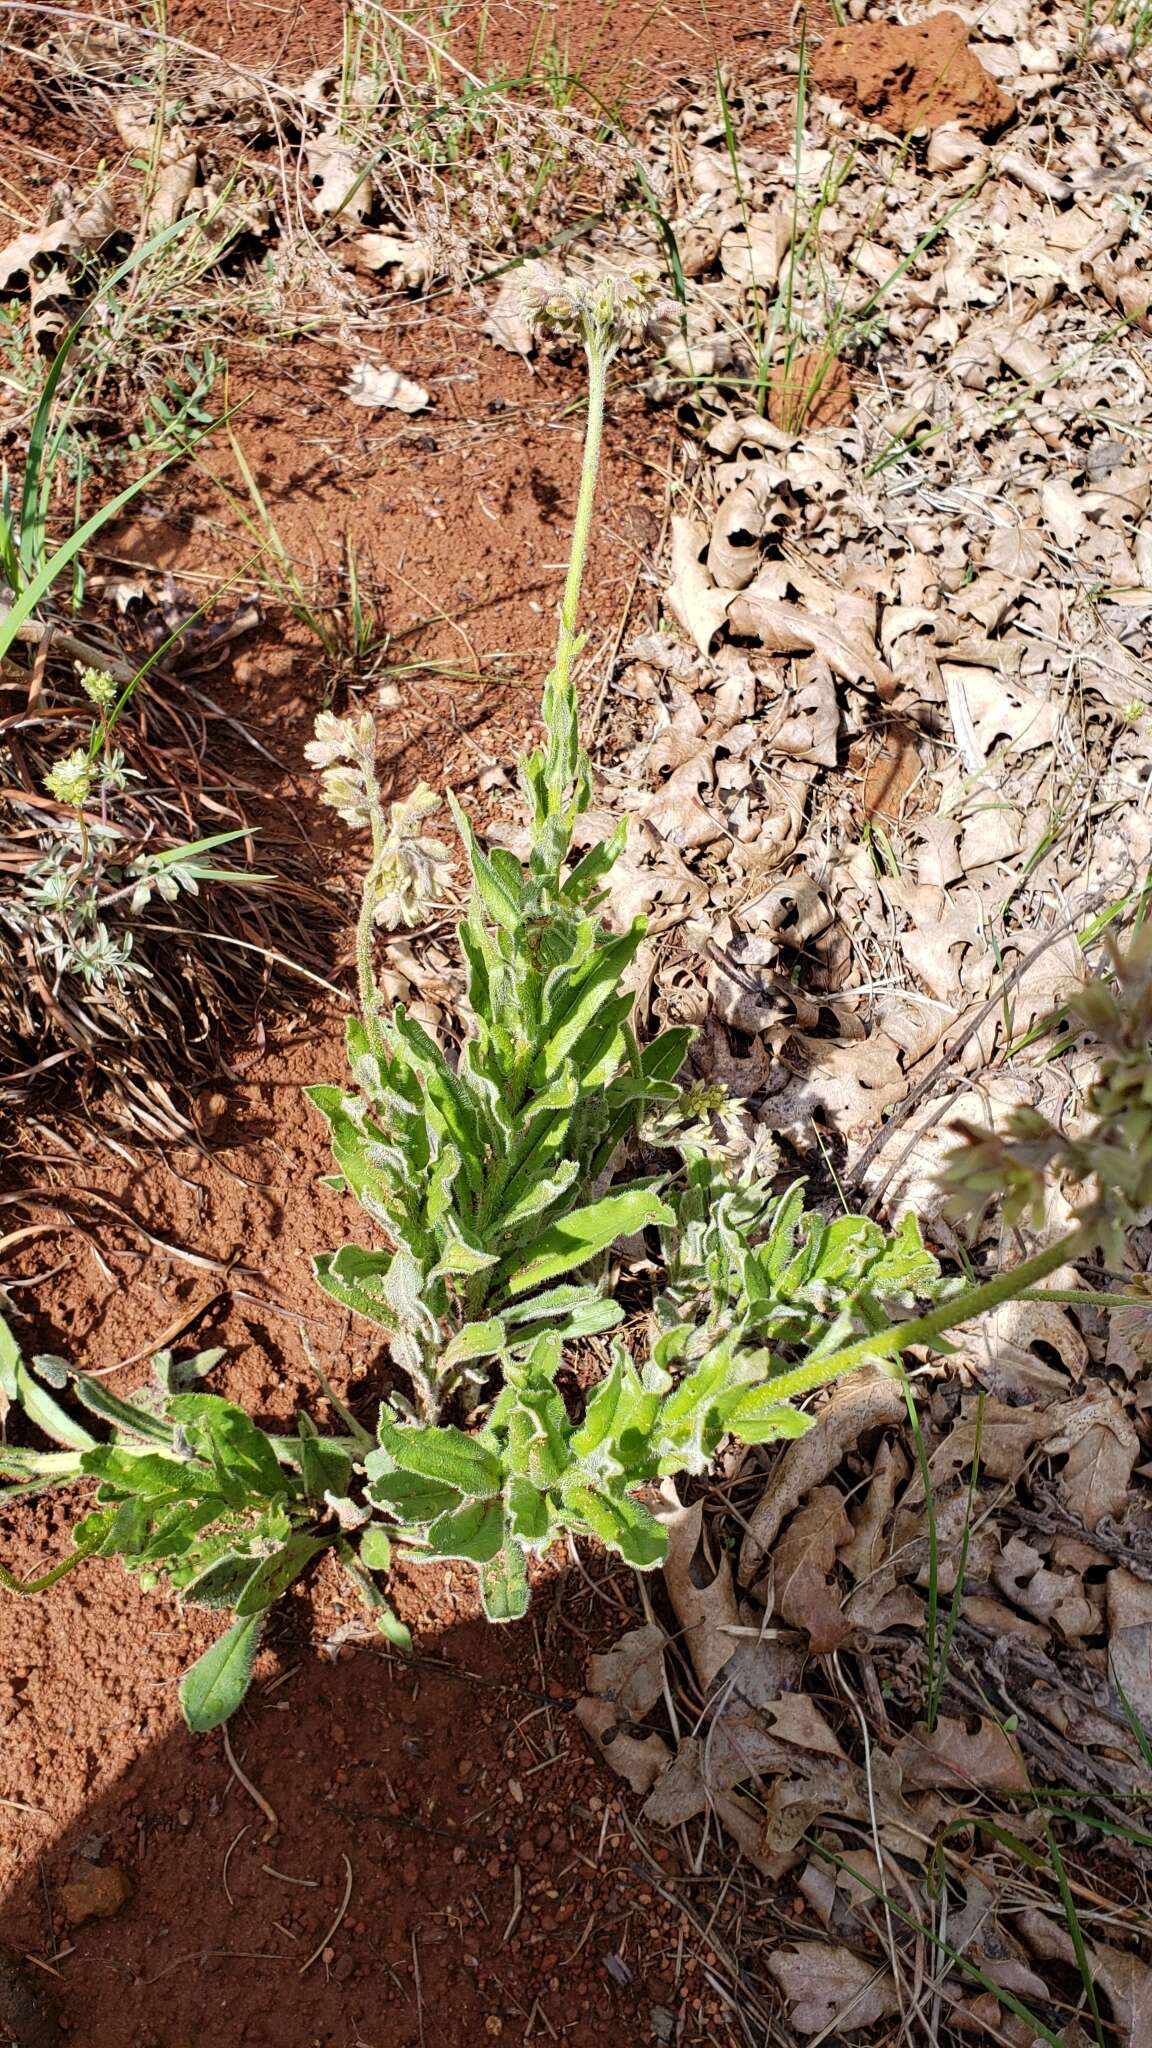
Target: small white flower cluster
x: 344, y: 750
x: 98, y: 686
x: 409, y: 871
x: 71, y: 780
x: 413, y: 870
x: 607, y: 310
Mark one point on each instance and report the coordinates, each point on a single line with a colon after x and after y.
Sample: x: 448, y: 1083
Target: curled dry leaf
x: 373, y: 384
x: 844, y: 1087
x: 410, y: 258
x: 1127, y: 1981
x: 1130, y: 1641
x: 1055, y: 1598
x: 810, y: 728
x: 830, y: 1990
x: 340, y: 175
x: 957, y: 1759
x: 1010, y: 1348
x: 790, y: 629
x: 507, y: 324
x: 680, y: 1793
x: 1102, y: 1449
x: 1006, y: 1436
x: 692, y: 597
x: 738, y: 528
x: 639, y: 1760
x: 803, y: 1593
x: 751, y: 254
x: 864, y: 1551
x: 631, y: 1674
x: 704, y: 1600
x: 74, y: 225
x: 175, y: 183
x: 854, y: 1409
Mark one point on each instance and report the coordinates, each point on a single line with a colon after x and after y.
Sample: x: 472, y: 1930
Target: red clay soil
x: 491, y: 1884
x: 488, y: 1884
x: 922, y: 75
x: 617, y: 52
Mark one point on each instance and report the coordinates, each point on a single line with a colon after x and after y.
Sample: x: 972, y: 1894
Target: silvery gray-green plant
x: 62, y: 905
x: 488, y: 1178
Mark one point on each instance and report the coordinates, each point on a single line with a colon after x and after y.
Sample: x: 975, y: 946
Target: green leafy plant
x: 494, y: 1185
x: 191, y: 1490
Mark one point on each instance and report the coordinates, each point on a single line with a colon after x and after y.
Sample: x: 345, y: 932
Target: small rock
x: 94, y: 1892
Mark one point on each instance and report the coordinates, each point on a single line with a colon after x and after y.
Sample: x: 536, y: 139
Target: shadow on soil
x: 441, y: 1869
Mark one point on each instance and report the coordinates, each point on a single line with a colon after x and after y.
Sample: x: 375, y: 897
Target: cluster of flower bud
x: 409, y: 870
x: 604, y: 310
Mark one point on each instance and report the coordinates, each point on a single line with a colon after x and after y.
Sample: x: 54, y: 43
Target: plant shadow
x: 396, y: 1851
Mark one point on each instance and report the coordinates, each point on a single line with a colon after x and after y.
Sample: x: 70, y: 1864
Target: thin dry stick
x: 167, y: 1336
x: 874, y: 1826
x: 233, y: 1844
x: 268, y: 1812
x: 344, y: 1904
x: 419, y: 1988
x: 517, y: 1903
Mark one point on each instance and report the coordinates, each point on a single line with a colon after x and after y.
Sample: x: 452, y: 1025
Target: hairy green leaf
x: 214, y: 1687
x: 504, y: 1584
x: 444, y: 1454
x: 579, y: 1236
x: 273, y: 1575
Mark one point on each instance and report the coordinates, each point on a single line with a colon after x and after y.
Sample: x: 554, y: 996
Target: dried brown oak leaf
x: 1126, y: 1980
x: 639, y: 1760
x: 830, y: 1990
x: 1102, y: 1449
x: 1053, y: 1597
x: 786, y: 628
x: 864, y: 1553
x: 1130, y: 1640
x: 703, y: 1599
x: 957, y: 1759
x: 803, y: 1592
x: 847, y: 1087
x: 631, y: 1673
x: 75, y: 225
x: 855, y: 1409
x: 693, y: 599
x: 681, y: 1793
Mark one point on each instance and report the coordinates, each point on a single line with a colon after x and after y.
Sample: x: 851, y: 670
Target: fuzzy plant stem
x: 365, y: 949
x: 568, y: 640
x: 975, y: 1301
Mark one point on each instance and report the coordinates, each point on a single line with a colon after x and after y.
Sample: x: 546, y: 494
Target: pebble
x: 94, y: 1892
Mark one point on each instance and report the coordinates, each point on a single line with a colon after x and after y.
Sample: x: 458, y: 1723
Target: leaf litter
x: 906, y: 1672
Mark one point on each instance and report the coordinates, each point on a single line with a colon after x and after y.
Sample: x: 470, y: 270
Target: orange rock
x: 812, y: 391
x: 921, y: 76
x: 94, y: 1892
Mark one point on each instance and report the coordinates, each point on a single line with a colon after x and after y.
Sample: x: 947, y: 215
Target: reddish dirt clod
x: 920, y: 76
x: 811, y: 391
